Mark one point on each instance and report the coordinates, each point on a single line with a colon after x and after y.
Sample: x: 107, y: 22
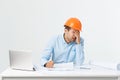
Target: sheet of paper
x: 84, y: 66
x: 107, y: 64
x: 65, y: 67
x: 62, y: 67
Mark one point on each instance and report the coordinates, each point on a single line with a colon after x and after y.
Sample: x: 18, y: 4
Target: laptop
x: 21, y: 60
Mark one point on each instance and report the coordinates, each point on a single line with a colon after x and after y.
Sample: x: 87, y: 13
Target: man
x: 67, y: 47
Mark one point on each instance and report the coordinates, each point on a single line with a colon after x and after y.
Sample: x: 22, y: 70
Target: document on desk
x: 83, y: 66
x: 63, y: 67
x: 107, y: 64
x: 66, y: 67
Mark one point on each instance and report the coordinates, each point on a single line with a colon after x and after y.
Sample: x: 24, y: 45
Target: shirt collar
x: 63, y: 39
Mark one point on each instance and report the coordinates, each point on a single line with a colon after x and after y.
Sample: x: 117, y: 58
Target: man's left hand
x: 77, y: 35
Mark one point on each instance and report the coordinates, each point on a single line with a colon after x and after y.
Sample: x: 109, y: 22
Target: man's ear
x: 65, y: 30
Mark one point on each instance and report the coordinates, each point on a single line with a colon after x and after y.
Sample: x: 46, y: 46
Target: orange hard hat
x: 74, y: 23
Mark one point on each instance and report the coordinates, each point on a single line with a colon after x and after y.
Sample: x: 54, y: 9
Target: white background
x: 29, y: 24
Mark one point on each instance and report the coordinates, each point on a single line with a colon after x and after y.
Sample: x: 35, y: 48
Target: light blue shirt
x: 61, y: 52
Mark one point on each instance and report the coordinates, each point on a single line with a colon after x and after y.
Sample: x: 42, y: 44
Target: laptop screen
x: 21, y: 60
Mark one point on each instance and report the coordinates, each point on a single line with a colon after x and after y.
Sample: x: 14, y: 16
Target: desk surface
x: 93, y: 72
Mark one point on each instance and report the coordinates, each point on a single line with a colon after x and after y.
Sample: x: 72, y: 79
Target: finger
x: 52, y: 63
x: 77, y: 31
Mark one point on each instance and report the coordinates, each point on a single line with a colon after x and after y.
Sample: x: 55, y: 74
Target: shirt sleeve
x: 47, y: 52
x: 79, y: 53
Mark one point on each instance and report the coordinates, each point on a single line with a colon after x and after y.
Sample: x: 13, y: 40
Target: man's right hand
x: 49, y: 64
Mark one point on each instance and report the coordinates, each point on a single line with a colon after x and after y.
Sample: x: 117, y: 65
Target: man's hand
x: 77, y: 35
x: 49, y: 64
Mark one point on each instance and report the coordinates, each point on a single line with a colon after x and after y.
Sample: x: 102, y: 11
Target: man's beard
x: 72, y: 39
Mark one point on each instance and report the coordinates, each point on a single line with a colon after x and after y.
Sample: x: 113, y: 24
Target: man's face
x: 71, y: 34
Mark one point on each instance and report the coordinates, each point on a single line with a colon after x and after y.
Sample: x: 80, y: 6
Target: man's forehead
x: 75, y: 30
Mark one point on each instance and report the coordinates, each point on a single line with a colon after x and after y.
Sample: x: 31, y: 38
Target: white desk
x: 81, y: 74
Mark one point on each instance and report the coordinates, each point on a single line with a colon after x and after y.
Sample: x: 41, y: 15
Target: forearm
x: 79, y: 55
x: 45, y: 57
x: 47, y: 63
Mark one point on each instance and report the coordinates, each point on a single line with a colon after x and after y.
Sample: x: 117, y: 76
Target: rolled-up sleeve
x: 47, y: 52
